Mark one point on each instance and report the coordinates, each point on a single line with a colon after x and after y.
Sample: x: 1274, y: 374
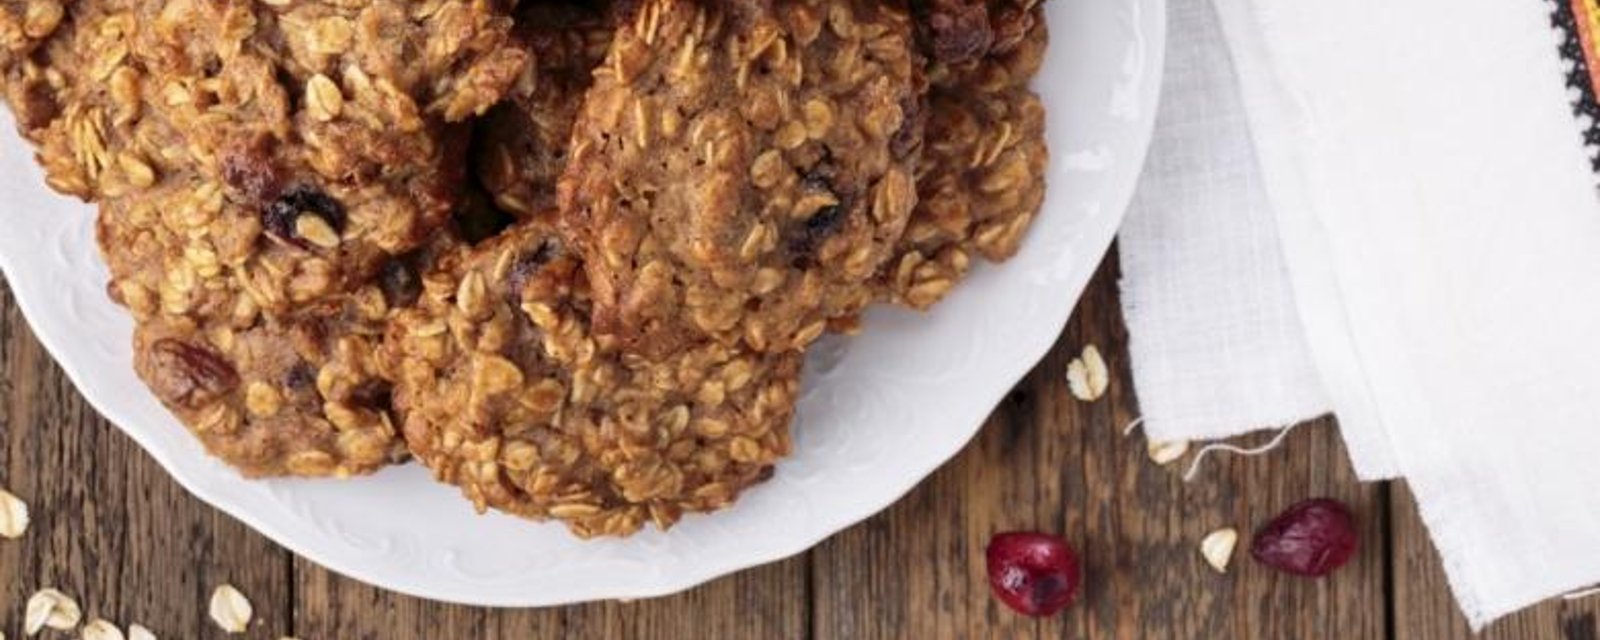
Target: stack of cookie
x: 568, y: 255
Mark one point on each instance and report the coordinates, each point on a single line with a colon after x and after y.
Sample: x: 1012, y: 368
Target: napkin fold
x: 1218, y: 343
x: 1384, y: 207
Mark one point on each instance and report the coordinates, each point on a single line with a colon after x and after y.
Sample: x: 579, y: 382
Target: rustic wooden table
x: 110, y: 528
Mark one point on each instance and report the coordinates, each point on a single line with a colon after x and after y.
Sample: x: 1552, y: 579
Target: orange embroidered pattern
x: 1579, y: 24
x: 1586, y: 14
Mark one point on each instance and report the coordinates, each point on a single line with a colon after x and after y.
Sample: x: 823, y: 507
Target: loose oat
x: 50, y: 608
x: 100, y: 629
x: 1087, y: 376
x: 1217, y: 548
x: 230, y: 610
x: 1166, y: 452
x: 139, y: 632
x: 13, y: 515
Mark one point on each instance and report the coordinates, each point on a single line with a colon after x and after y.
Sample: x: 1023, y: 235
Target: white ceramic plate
x: 879, y: 412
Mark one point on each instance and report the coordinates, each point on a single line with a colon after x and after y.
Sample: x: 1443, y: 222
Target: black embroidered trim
x: 1585, y: 106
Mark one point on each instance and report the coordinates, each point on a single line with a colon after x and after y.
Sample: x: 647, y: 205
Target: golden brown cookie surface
x: 506, y: 392
x: 741, y: 169
x: 302, y: 397
x: 982, y: 174
x: 263, y: 170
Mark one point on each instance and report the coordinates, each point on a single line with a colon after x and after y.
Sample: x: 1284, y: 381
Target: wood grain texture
x: 765, y: 602
x: 111, y: 528
x: 1047, y: 461
x: 1423, y: 606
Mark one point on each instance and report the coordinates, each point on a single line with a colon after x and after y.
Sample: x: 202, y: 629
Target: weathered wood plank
x: 1154, y: 522
x: 1145, y: 523
x: 1424, y: 609
x: 328, y: 605
x: 1047, y: 461
x: 766, y: 602
x: 110, y: 527
x: 917, y: 570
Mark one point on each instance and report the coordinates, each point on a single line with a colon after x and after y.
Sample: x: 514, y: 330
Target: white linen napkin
x: 1218, y: 343
x: 1438, y: 245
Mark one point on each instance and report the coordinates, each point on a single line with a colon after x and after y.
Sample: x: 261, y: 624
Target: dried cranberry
x: 1034, y: 573
x: 188, y: 375
x: 399, y: 282
x: 278, y: 217
x: 1312, y: 538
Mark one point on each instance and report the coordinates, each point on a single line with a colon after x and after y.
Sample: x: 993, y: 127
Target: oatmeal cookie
x: 521, y: 145
x: 301, y: 397
x: 263, y: 171
x: 260, y: 155
x: 982, y: 175
x: 505, y: 392
x: 741, y: 169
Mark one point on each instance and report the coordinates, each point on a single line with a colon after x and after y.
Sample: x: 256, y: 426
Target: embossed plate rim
x: 1110, y: 52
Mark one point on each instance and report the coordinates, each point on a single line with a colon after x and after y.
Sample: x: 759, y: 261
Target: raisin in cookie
x: 741, y: 169
x: 304, y: 394
x: 299, y: 397
x: 521, y: 145
x: 982, y: 175
x: 504, y: 391
x: 961, y: 33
